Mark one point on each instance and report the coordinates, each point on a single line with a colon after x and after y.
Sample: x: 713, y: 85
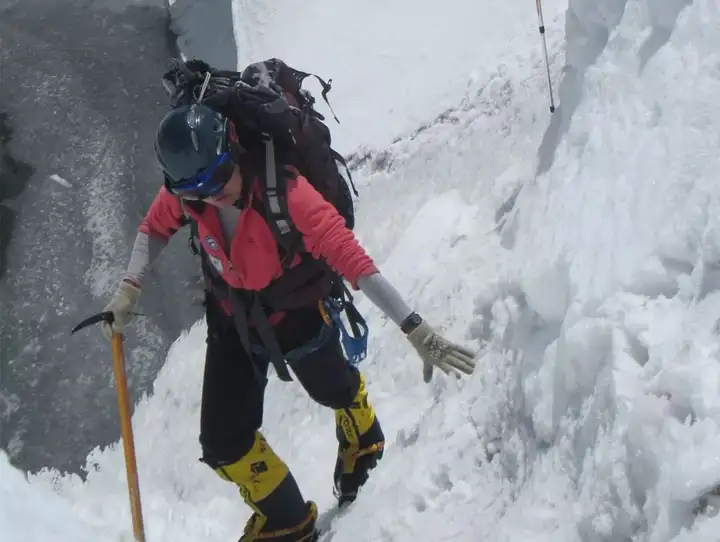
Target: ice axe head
x: 106, y: 316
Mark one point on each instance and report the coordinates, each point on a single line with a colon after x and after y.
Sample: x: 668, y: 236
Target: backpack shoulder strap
x: 274, y: 181
x: 276, y: 194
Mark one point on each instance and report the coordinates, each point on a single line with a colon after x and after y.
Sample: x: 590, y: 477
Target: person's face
x: 230, y: 192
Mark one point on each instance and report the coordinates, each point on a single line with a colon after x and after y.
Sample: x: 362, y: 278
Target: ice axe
x: 125, y: 423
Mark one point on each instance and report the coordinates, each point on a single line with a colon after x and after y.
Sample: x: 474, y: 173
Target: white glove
x: 436, y: 351
x: 121, y: 306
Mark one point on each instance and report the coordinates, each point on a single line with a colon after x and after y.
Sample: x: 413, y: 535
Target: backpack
x: 274, y: 124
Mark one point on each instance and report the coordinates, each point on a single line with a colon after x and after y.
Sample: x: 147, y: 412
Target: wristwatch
x: 410, y: 323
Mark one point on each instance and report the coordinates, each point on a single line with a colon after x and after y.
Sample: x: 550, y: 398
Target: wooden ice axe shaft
x: 126, y: 431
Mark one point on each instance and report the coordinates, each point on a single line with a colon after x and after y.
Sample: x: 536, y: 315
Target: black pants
x: 233, y: 397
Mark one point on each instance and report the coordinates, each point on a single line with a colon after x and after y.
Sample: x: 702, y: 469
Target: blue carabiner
x: 355, y: 347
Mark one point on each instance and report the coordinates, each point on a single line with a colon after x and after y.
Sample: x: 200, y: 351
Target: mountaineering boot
x: 267, y: 486
x: 360, y: 445
x: 256, y: 529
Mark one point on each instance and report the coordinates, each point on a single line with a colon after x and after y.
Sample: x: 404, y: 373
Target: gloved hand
x: 121, y: 306
x: 436, y: 351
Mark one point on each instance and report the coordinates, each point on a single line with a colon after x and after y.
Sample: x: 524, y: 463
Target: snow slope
x: 590, y: 289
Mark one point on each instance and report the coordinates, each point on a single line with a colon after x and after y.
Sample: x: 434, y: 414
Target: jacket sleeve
x: 145, y: 251
x: 165, y: 216
x: 324, y: 232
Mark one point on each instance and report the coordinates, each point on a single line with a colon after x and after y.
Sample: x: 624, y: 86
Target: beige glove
x: 436, y: 351
x: 121, y: 306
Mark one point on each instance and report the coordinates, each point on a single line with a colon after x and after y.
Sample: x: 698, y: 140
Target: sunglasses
x: 205, y: 184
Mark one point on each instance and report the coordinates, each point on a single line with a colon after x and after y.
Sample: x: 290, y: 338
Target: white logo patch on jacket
x: 212, y: 243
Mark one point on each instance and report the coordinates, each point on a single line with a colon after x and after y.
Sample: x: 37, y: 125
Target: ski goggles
x: 207, y: 183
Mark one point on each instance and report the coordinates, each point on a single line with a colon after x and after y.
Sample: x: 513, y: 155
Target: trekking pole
x: 125, y: 421
x: 541, y: 26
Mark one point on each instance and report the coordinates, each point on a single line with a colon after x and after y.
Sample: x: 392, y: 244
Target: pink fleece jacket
x: 250, y: 260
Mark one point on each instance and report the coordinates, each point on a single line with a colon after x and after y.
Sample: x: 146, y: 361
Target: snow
x: 404, y: 67
x: 594, y: 304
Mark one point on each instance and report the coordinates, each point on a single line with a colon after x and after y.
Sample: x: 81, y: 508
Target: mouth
x: 220, y: 199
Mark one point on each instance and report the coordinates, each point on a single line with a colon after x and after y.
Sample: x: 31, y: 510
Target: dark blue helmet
x: 189, y: 140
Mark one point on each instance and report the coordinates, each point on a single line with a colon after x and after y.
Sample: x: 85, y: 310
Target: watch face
x: 411, y: 322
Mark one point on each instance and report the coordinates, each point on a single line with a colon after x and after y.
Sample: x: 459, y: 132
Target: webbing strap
x: 240, y: 309
x: 339, y: 158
